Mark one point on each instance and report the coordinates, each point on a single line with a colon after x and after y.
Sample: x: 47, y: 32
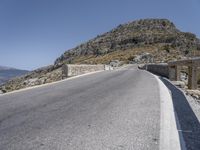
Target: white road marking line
x: 185, y: 131
x: 52, y: 83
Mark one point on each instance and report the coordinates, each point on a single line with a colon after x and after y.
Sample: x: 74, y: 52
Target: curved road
x: 110, y: 110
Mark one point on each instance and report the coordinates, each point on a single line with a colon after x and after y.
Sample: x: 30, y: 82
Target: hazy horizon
x: 35, y: 33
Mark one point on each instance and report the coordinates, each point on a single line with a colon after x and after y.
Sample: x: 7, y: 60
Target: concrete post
x: 177, y: 72
x: 172, y: 73
x: 64, y: 71
x: 192, y: 77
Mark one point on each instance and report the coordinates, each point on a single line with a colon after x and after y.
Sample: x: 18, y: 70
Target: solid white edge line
x: 60, y: 81
x: 52, y: 83
x: 182, y: 141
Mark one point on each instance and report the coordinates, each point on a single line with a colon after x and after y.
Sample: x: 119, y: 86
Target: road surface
x: 110, y: 110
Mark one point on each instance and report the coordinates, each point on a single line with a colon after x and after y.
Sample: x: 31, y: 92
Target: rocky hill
x: 158, y: 38
x: 6, y: 73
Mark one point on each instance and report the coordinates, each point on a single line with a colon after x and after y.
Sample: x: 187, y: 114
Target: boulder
x: 115, y: 63
x: 180, y: 84
x: 193, y: 93
x: 143, y: 58
x: 108, y: 67
x: 142, y: 66
x: 30, y: 82
x: 183, y: 76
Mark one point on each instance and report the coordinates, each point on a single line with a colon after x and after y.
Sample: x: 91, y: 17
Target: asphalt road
x: 110, y: 110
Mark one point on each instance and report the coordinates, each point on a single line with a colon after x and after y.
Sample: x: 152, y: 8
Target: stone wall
x: 74, y: 70
x: 158, y: 69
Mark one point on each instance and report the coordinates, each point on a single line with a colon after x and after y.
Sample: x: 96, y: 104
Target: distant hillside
x: 6, y: 73
x: 158, y: 37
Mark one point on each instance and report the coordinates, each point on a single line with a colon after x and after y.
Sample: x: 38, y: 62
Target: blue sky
x: 33, y: 33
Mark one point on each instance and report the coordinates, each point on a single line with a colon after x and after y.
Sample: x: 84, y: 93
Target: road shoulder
x: 169, y: 136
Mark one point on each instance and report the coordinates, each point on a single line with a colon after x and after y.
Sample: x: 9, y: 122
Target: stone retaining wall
x: 158, y: 69
x: 74, y: 70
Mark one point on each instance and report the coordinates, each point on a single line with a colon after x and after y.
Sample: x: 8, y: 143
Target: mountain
x: 6, y: 73
x: 5, y: 68
x: 158, y: 37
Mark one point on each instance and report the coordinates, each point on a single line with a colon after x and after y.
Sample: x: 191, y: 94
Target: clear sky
x: 33, y: 33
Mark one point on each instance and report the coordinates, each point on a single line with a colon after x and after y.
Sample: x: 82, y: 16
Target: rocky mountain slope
x: 6, y: 73
x: 37, y: 77
x: 159, y: 38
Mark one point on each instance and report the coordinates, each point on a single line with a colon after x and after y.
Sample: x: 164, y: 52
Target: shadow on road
x: 189, y: 124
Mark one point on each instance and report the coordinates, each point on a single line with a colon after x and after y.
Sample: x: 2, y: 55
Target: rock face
x: 159, y: 37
